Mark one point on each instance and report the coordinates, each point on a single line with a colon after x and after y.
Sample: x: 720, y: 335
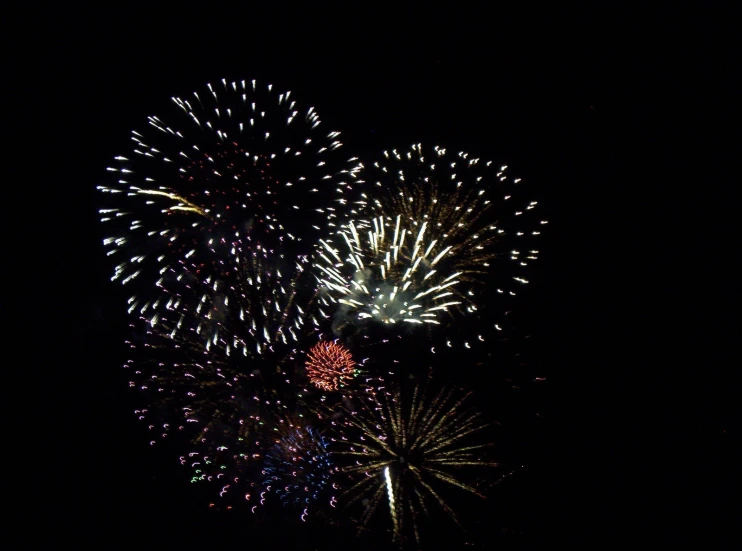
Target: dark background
x: 623, y: 123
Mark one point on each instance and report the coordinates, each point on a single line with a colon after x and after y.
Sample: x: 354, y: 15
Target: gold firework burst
x: 406, y: 449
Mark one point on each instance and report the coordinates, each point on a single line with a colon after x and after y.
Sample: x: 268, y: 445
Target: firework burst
x: 231, y: 172
x: 329, y: 365
x: 427, y: 231
x: 298, y: 468
x: 405, y: 450
x: 218, y: 409
x: 242, y: 234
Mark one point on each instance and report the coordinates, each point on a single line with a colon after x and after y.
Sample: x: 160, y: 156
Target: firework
x: 428, y: 230
x: 246, y: 311
x: 219, y: 350
x: 209, y: 214
x: 241, y: 233
x: 217, y: 409
x: 405, y: 450
x: 211, y: 209
x: 231, y: 169
x: 329, y: 365
x: 298, y: 468
x: 215, y: 364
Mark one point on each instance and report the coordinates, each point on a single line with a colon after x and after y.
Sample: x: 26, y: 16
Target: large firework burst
x: 232, y: 174
x: 405, y: 450
x: 427, y: 231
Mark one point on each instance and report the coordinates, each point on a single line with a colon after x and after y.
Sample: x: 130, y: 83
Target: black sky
x: 621, y: 122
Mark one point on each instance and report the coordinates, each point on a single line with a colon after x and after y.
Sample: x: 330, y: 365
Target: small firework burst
x: 298, y: 468
x: 329, y: 365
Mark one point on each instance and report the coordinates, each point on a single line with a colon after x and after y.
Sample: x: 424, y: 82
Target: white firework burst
x: 213, y: 209
x: 428, y: 230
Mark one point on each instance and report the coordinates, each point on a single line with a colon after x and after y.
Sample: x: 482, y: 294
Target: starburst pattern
x: 235, y: 178
x: 426, y: 233
x: 329, y: 365
x: 404, y: 448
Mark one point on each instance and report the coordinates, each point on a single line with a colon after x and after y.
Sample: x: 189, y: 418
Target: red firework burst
x: 329, y: 365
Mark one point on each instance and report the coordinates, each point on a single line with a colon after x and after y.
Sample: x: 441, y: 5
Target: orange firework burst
x: 329, y: 365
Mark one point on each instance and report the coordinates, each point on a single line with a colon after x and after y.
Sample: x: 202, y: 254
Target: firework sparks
x: 422, y: 242
x: 329, y: 365
x: 403, y: 447
x: 228, y: 170
x: 211, y: 215
x: 240, y: 232
x: 298, y: 467
x: 247, y: 310
x: 209, y: 403
x: 209, y: 209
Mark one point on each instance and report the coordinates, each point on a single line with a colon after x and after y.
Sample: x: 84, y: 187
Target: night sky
x: 619, y: 123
